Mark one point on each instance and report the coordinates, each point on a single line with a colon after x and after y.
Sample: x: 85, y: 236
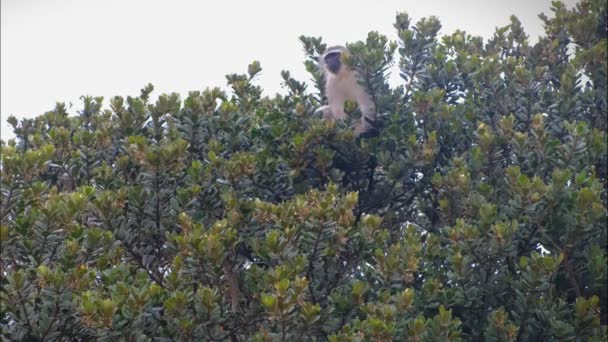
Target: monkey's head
x: 331, y: 59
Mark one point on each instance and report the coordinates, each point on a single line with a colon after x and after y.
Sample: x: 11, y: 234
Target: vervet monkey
x: 341, y: 85
x: 66, y: 183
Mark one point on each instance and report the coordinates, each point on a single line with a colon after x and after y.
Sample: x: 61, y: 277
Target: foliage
x: 477, y: 213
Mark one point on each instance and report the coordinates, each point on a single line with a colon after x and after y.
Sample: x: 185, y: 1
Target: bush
x: 477, y: 213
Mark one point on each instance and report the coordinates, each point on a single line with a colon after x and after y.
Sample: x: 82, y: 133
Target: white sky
x: 58, y: 50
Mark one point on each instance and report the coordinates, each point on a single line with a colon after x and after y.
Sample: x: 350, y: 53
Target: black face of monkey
x: 333, y: 62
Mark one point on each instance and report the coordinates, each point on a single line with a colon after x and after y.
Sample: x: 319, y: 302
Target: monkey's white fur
x: 342, y: 86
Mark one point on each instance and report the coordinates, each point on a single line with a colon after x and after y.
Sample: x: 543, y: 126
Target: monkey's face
x: 333, y: 62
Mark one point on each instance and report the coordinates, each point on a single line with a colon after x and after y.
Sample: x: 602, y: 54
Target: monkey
x: 66, y: 183
x: 233, y: 285
x: 341, y: 85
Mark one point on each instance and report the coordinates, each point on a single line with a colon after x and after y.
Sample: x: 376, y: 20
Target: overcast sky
x: 58, y: 50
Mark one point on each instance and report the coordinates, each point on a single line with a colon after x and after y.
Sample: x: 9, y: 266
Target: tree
x: 477, y: 213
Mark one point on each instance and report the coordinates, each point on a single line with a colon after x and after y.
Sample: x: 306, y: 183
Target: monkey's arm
x: 326, y: 110
x: 366, y: 104
x: 368, y: 113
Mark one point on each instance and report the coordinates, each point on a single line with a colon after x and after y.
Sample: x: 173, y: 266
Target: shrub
x: 477, y: 213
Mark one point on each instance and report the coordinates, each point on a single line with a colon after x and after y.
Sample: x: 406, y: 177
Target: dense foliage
x: 477, y: 213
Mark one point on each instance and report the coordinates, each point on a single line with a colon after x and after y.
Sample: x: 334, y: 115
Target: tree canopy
x: 477, y: 212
